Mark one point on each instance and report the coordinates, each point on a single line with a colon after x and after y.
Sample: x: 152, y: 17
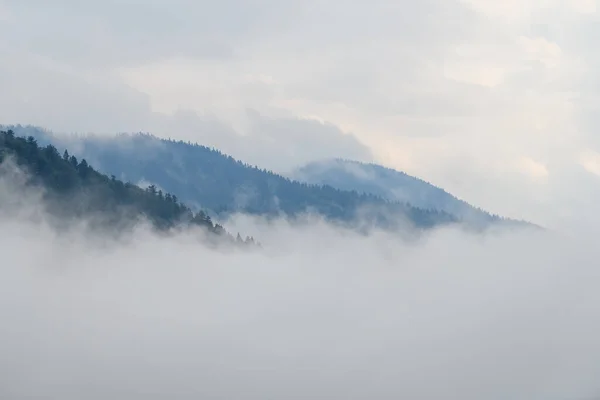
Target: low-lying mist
x: 318, y: 313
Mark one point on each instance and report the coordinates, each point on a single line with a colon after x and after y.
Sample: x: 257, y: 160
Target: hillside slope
x: 74, y: 189
x: 204, y: 177
x: 389, y: 184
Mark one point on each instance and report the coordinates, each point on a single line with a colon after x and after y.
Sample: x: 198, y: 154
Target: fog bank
x: 317, y: 314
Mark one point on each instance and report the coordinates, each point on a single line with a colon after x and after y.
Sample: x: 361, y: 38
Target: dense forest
x: 205, y: 177
x: 74, y: 189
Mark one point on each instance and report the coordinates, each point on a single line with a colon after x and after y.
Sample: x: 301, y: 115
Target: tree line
x: 73, y: 188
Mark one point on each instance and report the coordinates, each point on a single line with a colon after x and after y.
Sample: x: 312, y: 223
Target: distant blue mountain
x: 389, y: 184
x: 206, y: 178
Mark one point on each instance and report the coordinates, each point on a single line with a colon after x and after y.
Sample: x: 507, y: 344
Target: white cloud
x: 510, y: 9
x: 542, y: 50
x: 534, y: 169
x: 489, y: 76
x: 523, y: 11
x: 5, y: 15
x: 590, y: 160
x: 585, y: 6
x: 319, y: 313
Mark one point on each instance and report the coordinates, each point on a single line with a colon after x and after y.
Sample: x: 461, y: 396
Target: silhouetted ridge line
x: 73, y: 188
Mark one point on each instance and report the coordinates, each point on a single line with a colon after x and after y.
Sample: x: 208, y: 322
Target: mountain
x: 204, y: 177
x: 72, y: 188
x: 389, y: 184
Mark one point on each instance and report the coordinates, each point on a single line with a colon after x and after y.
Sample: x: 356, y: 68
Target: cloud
x: 319, y: 313
x: 522, y: 12
x: 42, y: 91
x: 590, y: 160
x: 534, y: 169
x: 540, y: 49
x: 5, y: 15
x: 307, y: 139
x: 113, y: 33
x: 70, y: 101
x: 585, y: 6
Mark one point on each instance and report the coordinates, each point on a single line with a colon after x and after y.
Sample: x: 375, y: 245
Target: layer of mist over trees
x: 223, y: 185
x: 389, y: 184
x: 73, y: 189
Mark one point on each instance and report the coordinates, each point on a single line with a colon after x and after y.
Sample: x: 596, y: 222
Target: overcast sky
x: 494, y: 100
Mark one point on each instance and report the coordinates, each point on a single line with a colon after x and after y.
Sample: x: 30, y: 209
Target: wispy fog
x: 317, y: 314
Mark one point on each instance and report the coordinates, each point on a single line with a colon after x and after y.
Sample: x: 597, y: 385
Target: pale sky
x: 494, y: 100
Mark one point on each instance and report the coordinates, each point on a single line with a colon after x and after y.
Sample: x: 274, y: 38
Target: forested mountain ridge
x: 387, y: 183
x: 207, y: 178
x: 73, y: 188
